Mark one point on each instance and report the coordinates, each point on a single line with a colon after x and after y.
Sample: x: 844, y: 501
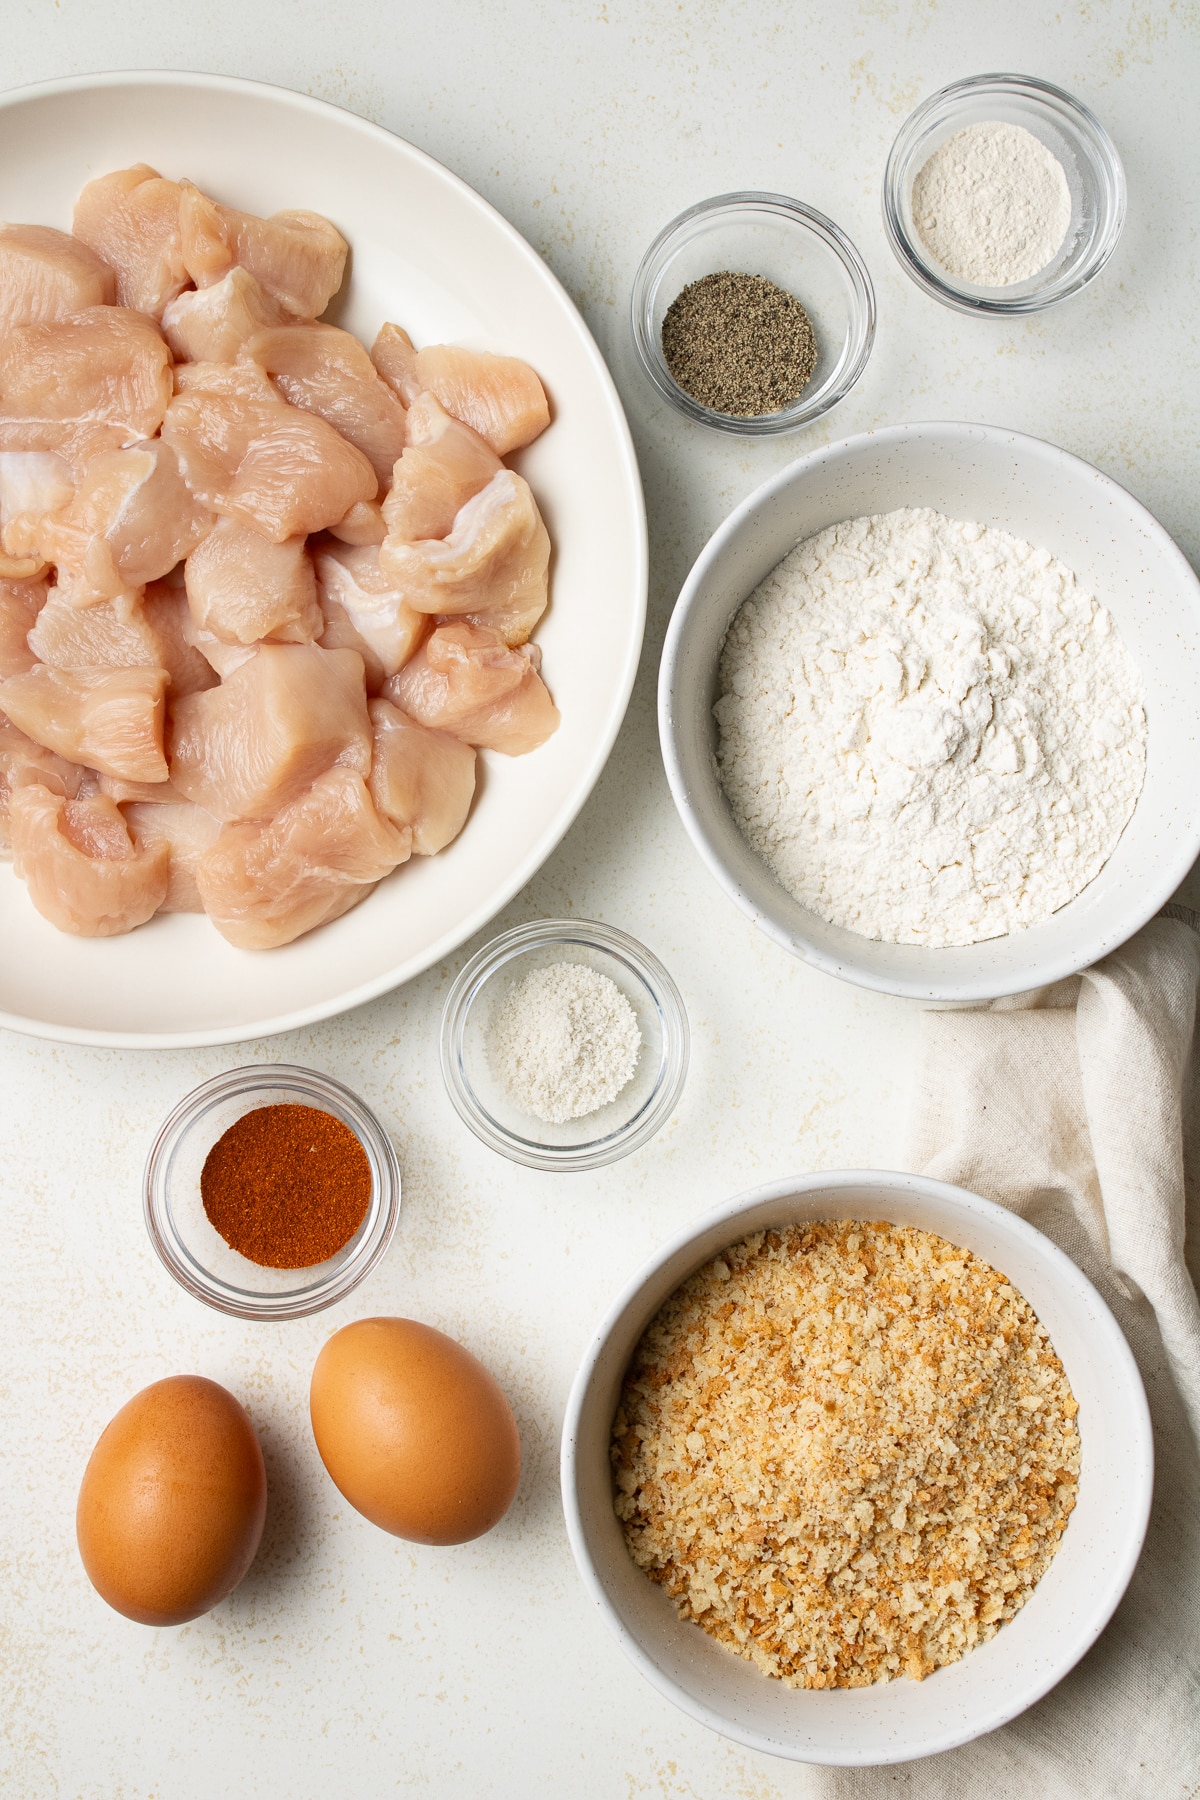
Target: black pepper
x: 739, y: 344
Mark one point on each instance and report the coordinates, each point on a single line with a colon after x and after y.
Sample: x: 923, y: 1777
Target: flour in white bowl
x: 928, y: 730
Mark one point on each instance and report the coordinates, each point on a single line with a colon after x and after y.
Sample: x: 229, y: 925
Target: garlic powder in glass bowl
x: 478, y: 1018
x: 1074, y: 137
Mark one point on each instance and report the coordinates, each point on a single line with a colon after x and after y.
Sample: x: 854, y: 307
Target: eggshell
x: 414, y: 1431
x: 172, y: 1503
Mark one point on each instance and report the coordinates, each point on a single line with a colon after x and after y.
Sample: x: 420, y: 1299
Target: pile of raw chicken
x: 262, y: 595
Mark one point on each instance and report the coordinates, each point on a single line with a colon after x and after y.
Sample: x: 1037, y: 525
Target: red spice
x: 286, y: 1186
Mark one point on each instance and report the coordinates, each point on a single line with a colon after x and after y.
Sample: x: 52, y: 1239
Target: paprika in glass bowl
x: 245, y: 1163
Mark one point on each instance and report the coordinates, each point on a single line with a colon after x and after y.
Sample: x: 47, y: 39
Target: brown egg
x: 172, y: 1503
x: 414, y: 1431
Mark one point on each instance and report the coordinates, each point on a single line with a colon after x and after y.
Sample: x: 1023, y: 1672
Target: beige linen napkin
x: 1076, y: 1106
x: 1081, y: 1099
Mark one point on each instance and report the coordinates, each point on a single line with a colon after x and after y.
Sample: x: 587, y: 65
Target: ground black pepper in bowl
x: 739, y: 344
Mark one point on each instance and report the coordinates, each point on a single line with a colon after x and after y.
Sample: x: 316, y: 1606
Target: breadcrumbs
x: 847, y: 1451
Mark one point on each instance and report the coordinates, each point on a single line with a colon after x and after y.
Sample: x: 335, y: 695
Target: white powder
x: 927, y: 729
x: 992, y: 204
x: 564, y: 1042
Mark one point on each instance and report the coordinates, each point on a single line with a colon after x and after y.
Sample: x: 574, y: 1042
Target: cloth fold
x: 1084, y: 1094
x: 1076, y: 1107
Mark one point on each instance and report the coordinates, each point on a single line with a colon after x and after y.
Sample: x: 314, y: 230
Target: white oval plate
x: 427, y: 252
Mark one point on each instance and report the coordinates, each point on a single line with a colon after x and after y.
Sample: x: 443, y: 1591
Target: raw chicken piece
x: 211, y: 324
x: 339, y: 634
x: 132, y: 519
x: 185, y: 832
x: 22, y: 568
x: 297, y: 258
x: 34, y: 485
x: 243, y: 380
x: 280, y: 471
x: 264, y: 884
x: 222, y: 658
x: 94, y: 382
x: 131, y: 219
x: 444, y: 465
x: 47, y: 274
x: 26, y: 764
x: 254, y: 744
x: 363, y: 524
x: 394, y: 357
x: 166, y: 612
x: 373, y: 603
x: 242, y: 587
x: 113, y: 635
x: 466, y: 680
x: 20, y: 603
x: 492, y: 567
x: 327, y: 371
x: 83, y: 870
x: 500, y: 397
x: 108, y: 719
x: 130, y: 631
x: 156, y: 793
x: 420, y: 778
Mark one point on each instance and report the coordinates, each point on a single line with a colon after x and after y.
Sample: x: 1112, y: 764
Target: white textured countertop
x: 349, y: 1663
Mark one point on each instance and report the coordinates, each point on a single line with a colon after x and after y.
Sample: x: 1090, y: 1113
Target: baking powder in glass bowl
x: 564, y: 1042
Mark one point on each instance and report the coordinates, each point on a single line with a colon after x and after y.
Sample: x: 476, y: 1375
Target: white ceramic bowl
x: 1063, y: 1616
x: 1041, y: 493
x: 427, y: 252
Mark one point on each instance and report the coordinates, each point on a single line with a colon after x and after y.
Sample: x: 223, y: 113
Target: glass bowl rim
x: 1101, y: 152
x: 376, y: 1230
x: 540, y: 934
x: 860, y: 337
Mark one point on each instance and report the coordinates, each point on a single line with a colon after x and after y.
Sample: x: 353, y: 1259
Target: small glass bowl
x: 790, y: 244
x: 195, y: 1252
x: 626, y: 1122
x: 1066, y: 127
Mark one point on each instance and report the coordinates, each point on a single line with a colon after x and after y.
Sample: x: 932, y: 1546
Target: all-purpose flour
x: 927, y: 729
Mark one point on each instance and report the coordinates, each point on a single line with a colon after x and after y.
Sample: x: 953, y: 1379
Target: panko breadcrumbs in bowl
x: 847, y: 1450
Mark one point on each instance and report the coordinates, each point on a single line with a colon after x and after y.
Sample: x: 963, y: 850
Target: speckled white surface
x: 349, y: 1663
